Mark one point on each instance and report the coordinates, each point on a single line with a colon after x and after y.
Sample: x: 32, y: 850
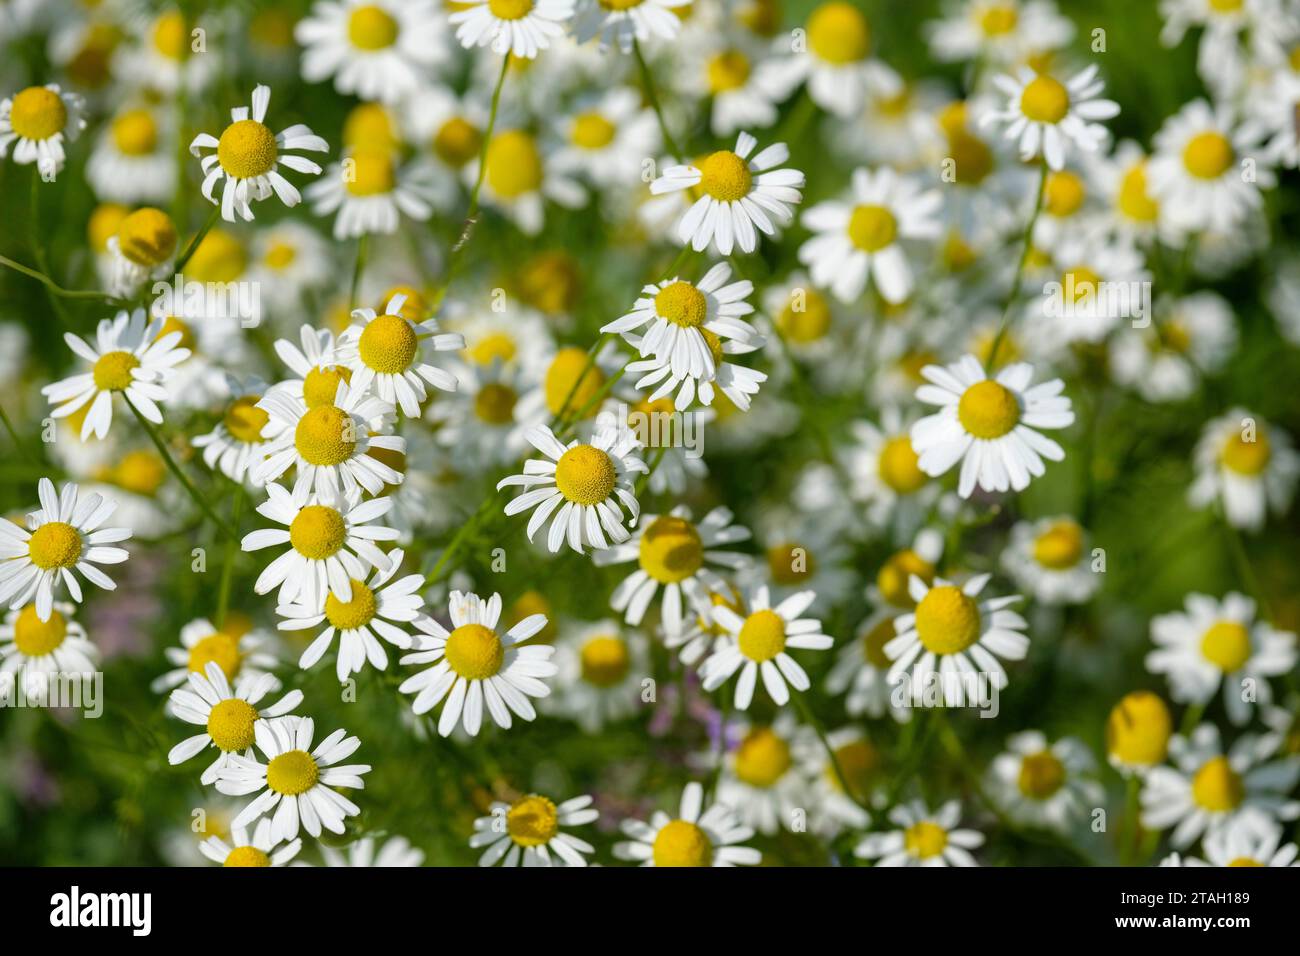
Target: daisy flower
x: 1137, y: 732
x: 606, y: 138
x: 521, y: 28
x: 163, y: 59
x: 474, y: 666
x: 1047, y: 785
x: 371, y: 190
x: 923, y: 838
x: 237, y: 444
x: 699, y: 635
x: 1132, y: 214
x: 332, y: 445
x: 143, y: 248
x: 132, y: 161
x: 248, y: 156
x: 695, y: 837
x: 737, y: 195
x: 527, y: 832
x: 388, y: 355
x: 953, y: 637
x: 628, y: 21
x: 861, y: 764
x: 581, y: 487
x: 396, y: 852
x: 376, y: 49
x: 865, y: 236
x: 262, y: 849
x: 316, y: 365
x: 63, y: 536
x: 759, y: 643
x: 988, y: 424
x: 1188, y: 337
x: 1250, y: 840
x: 36, y: 121
x: 481, y: 423
x: 861, y: 670
x: 128, y: 357
x: 520, y: 174
x: 297, y: 783
x: 1045, y: 115
x: 802, y: 548
x: 1050, y: 560
x: 375, y: 608
x: 450, y: 129
x: 237, y: 649
x: 331, y: 542
x: 1207, y: 789
x: 671, y: 552
x: 892, y: 586
x: 600, y: 670
x: 887, y: 476
x: 745, y: 88
x: 1247, y: 465
x: 36, y: 653
x: 1003, y: 32
x: 289, y: 259
x: 1220, y: 642
x: 737, y: 384
x: 761, y: 781
x: 226, y: 715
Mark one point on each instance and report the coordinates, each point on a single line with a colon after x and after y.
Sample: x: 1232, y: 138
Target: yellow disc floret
x: 325, y: 435
x: 510, y: 9
x: 563, y: 382
x: 37, y: 113
x: 55, y: 544
x: 925, y: 839
x: 988, y: 410
x: 369, y: 172
x: 474, y: 652
x: 838, y: 33
x: 317, y: 532
x: 134, y: 132
x: 532, y: 821
x: 947, y: 620
x: 292, y: 773
x: 247, y: 149
x: 219, y: 648
x: 1208, y: 155
x: 247, y: 856
x: 36, y: 638
x: 679, y: 843
x: 495, y: 404
x: 1041, y: 775
x: 1226, y: 645
x: 112, y: 371
x: 1216, y: 787
x: 605, y: 661
x: 1060, y: 546
x: 898, y: 466
x: 872, y: 228
x: 321, y: 385
x: 592, y: 131
x: 682, y: 304
x: 457, y: 141
x: 1064, y: 194
x: 244, y: 420
x: 1133, y: 200
x: 1246, y: 457
x: 230, y: 724
x: 725, y: 176
x: 762, y: 636
x: 371, y: 27
x: 1138, y: 730
x: 147, y: 237
x: 514, y: 164
x: 585, y: 475
x: 806, y: 319
x: 671, y: 550
x: 762, y: 758
x: 874, y: 641
x: 350, y: 615
x: 894, y: 574
x: 388, y: 344
x: 728, y: 70
x: 1045, y: 100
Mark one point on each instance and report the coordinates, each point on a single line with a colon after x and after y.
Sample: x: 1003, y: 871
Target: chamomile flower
x: 237, y: 649
x: 480, y: 424
x: 521, y: 28
x: 237, y: 444
x: 35, y: 653
x: 1050, y: 560
x: 521, y: 173
x: 627, y: 21
x: 887, y: 476
x: 261, y: 849
x: 1132, y: 213
x: 1137, y: 733
x: 1220, y: 642
x: 1246, y: 465
x: 737, y: 195
x: 450, y: 129
x: 333, y: 444
x: 526, y: 832
x: 389, y: 355
x: 673, y: 552
x: 332, y: 541
x: 923, y: 838
x: 36, y: 121
x: 376, y: 49
x: 132, y: 161
x: 143, y: 248
x: 601, y: 668
x: 801, y: 549
x: 1042, y: 784
x: 1250, y: 840
x: 297, y: 786
x: 862, y: 667
x: 699, y: 635
x: 1003, y: 32
x: 759, y: 644
x: 581, y: 488
x: 761, y: 780
x: 476, y: 666
x: 371, y: 190
x: 249, y: 156
x: 989, y: 424
x: 952, y: 636
x: 1045, y: 116
x: 316, y: 365
x: 607, y: 138
x: 163, y: 60
x: 129, y: 357
x: 64, y: 535
x: 1207, y: 789
x: 378, y: 607
x: 857, y: 765
x: 1187, y: 338
x: 695, y: 837
x: 864, y: 237
x: 396, y: 851
x: 676, y: 440
x: 226, y: 715
x: 736, y: 384
x: 289, y: 259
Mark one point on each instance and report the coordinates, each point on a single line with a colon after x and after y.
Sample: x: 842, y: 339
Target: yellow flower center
x: 528, y: 604
x: 247, y: 149
x: 140, y: 471
x: 495, y: 404
x: 1065, y: 194
x: 1226, y: 645
x: 998, y: 19
x: 1134, y: 201
x: 972, y: 157
x: 1138, y: 729
x: 372, y: 28
x: 350, y: 615
x: 457, y: 141
x: 762, y: 636
x: 37, y: 113
x: 370, y: 172
x: 247, y: 856
x: 388, y: 344
x: 55, y: 544
x: 220, y: 257
x: 562, y: 379
x: 147, y: 237
x: 135, y: 133
x: 325, y: 435
x: 838, y: 33
x: 1041, y: 775
x: 671, y: 550
x: 103, y: 223
x: 894, y: 574
x: 620, y: 4
x: 493, y: 346
x: 605, y: 661
x: 925, y: 839
x: 728, y: 70
x: 762, y: 758
x: 112, y: 371
x: 244, y: 420
x: 898, y: 466
x: 988, y: 410
x: 1246, y: 457
x: 1045, y: 100
x: 230, y: 724
x: 790, y: 564
x: 1217, y: 787
x: 585, y: 475
x: 514, y: 164
x: 807, y: 324
x: 510, y: 9
x: 317, y: 532
x: 725, y: 176
x: 280, y: 256
x: 1081, y: 281
x: 1226, y: 6
x: 1208, y: 155
x: 858, y: 761
x: 1060, y: 546
x: 682, y: 304
x: 532, y: 821
x: 171, y: 35
x: 321, y: 385
x: 872, y: 228
x: 292, y: 773
x: 549, y: 281
x: 370, y: 124
x: 272, y: 28
x: 171, y: 324
x: 874, y: 641
x: 592, y: 131
x: 947, y: 620
x: 474, y: 652
x: 36, y: 638
x: 679, y: 843
x: 220, y: 649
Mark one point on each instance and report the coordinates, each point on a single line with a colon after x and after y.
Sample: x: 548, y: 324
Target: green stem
x: 363, y: 247
x: 1020, y: 268
x: 1245, y: 570
x: 812, y: 720
x: 227, y: 567
x: 652, y: 95
x: 13, y: 435
x: 188, y: 485
x: 58, y: 290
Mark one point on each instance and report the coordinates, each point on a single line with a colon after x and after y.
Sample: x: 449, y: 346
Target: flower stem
x: 58, y: 290
x: 13, y: 436
x: 363, y: 247
x: 652, y: 95
x: 816, y: 725
x: 1245, y: 570
x: 188, y: 485
x: 228, y: 565
x: 1014, y: 291
x: 194, y: 243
